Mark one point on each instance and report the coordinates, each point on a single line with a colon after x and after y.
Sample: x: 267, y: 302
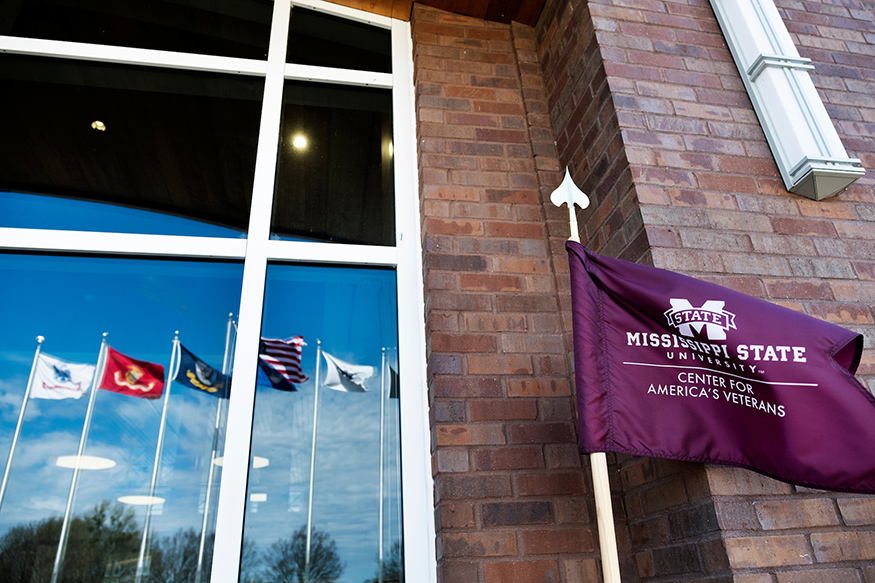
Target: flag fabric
x: 343, y: 376
x: 129, y: 376
x: 669, y: 366
x: 280, y: 360
x: 196, y: 374
x: 58, y: 379
x: 394, y: 384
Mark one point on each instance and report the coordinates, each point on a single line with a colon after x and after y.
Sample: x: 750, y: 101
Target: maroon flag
x: 669, y: 366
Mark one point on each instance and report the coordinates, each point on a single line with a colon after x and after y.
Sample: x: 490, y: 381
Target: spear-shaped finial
x: 568, y: 193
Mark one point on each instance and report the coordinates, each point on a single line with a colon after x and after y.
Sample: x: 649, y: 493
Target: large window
x: 212, y: 363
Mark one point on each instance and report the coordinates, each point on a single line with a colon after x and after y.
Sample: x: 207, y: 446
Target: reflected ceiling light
x: 140, y: 500
x: 257, y: 461
x: 86, y: 462
x: 98, y: 125
x: 258, y: 497
x: 299, y: 142
x: 391, y: 149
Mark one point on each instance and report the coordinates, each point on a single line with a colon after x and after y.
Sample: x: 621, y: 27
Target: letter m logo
x: 710, y: 317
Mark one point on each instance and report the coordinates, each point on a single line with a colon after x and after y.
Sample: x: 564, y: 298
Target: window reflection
x: 316, y: 38
x: 344, y: 323
x: 71, y: 302
x: 231, y: 28
x: 177, y: 142
x: 334, y: 177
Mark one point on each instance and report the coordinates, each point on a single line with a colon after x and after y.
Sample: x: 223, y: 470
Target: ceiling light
x: 140, y: 500
x: 258, y: 497
x: 299, y: 142
x: 86, y: 462
x: 98, y: 125
x: 257, y: 461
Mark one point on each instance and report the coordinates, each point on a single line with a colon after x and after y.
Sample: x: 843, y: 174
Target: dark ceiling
x: 524, y: 11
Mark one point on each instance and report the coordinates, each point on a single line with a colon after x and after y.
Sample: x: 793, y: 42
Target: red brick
x: 488, y: 365
x: 555, y: 541
x: 521, y: 230
x: 768, y: 551
x: 807, y: 227
x: 499, y: 410
x: 465, y: 387
x: 456, y: 515
x: 442, y: 227
x: 521, y: 572
x: 508, y: 458
x: 470, y: 434
x: 494, y: 323
x: 550, y: 484
x: 479, y: 544
x: 541, y: 433
x: 454, y: 343
x: 798, y: 289
x: 487, y: 282
x: 538, y: 387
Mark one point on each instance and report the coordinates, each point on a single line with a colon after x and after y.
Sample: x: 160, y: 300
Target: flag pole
x: 312, y: 466
x: 65, y: 525
x: 226, y: 366
x: 382, y: 417
x: 174, y: 360
x: 39, y: 343
x: 567, y: 192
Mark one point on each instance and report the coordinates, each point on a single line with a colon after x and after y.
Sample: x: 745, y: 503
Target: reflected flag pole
x: 174, y: 361
x: 382, y: 417
x: 568, y: 193
x: 226, y: 369
x: 65, y: 526
x: 312, y: 466
x: 39, y: 343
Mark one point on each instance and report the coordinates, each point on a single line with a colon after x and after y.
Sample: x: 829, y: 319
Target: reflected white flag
x: 343, y: 376
x: 58, y: 379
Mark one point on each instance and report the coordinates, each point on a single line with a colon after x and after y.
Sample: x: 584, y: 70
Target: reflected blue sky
x: 353, y: 313
x: 50, y: 212
x: 71, y: 301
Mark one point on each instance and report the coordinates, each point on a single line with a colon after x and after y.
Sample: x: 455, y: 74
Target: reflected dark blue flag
x: 196, y: 374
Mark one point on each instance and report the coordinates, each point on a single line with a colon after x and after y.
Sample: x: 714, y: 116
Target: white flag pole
x: 380, y: 519
x: 174, y: 362
x: 39, y: 343
x: 312, y: 465
x: 226, y: 367
x: 568, y: 193
x: 65, y: 525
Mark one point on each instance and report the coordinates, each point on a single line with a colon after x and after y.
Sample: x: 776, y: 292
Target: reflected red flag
x: 129, y: 376
x: 669, y: 366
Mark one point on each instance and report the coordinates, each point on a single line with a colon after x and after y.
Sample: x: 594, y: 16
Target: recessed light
x: 98, y: 125
x: 140, y: 500
x: 299, y: 142
x: 86, y: 462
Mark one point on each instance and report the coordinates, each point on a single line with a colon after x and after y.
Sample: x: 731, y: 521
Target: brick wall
x: 512, y: 502
x: 711, y: 204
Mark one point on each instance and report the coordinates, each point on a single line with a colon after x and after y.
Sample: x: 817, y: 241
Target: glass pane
x: 230, y: 28
x: 140, y: 304
x: 182, y: 143
x: 349, y: 316
x: 316, y: 38
x: 335, y: 179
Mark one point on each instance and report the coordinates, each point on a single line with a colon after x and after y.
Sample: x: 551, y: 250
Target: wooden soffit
x: 522, y: 11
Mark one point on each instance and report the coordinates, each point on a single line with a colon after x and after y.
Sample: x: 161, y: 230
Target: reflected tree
x: 286, y: 559
x: 174, y: 557
x: 104, y: 538
x: 393, y: 566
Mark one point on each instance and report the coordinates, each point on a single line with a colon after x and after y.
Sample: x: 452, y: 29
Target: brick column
x: 512, y: 499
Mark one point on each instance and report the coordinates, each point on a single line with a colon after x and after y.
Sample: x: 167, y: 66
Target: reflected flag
x: 196, y: 374
x: 343, y: 376
x: 394, y: 384
x: 280, y: 360
x: 58, y: 379
x: 129, y: 376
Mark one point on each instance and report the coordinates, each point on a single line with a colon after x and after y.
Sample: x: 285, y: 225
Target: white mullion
x: 131, y: 56
x: 232, y: 495
x: 121, y: 243
x: 344, y: 12
x: 417, y: 483
x: 311, y: 252
x: 338, y: 76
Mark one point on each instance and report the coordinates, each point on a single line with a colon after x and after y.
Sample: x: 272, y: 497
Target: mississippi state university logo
x: 710, y: 317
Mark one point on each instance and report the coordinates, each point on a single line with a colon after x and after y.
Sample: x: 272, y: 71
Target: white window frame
x: 258, y: 249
